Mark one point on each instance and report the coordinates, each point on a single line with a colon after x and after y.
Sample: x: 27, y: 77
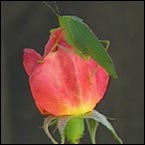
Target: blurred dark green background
x: 27, y: 24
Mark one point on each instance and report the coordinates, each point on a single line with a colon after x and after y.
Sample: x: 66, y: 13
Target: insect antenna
x: 57, y: 8
x: 56, y: 13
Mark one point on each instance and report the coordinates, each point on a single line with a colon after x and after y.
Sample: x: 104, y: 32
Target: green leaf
x: 47, y: 122
x: 92, y: 127
x: 103, y: 120
x: 80, y: 36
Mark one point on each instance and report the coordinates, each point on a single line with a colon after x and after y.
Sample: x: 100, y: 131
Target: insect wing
x: 80, y: 36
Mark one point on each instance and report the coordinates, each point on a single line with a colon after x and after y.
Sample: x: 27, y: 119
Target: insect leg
x: 107, y: 42
x: 74, y: 51
x: 64, y: 48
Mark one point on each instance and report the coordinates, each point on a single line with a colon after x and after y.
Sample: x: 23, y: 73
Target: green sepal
x: 72, y: 127
x: 50, y: 120
x: 92, y: 128
x: 61, y: 125
x: 95, y: 115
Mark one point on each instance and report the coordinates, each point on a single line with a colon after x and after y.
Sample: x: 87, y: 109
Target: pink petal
x: 53, y: 83
x: 30, y: 59
x: 92, y: 80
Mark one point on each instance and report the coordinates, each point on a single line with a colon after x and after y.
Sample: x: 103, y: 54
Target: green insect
x: 81, y: 37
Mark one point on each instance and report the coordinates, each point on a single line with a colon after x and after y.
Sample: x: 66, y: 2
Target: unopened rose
x: 63, y: 83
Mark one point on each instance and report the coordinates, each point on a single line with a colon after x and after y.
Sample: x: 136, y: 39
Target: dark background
x: 27, y: 24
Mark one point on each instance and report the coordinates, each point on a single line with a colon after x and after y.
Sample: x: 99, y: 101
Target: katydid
x: 84, y: 41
